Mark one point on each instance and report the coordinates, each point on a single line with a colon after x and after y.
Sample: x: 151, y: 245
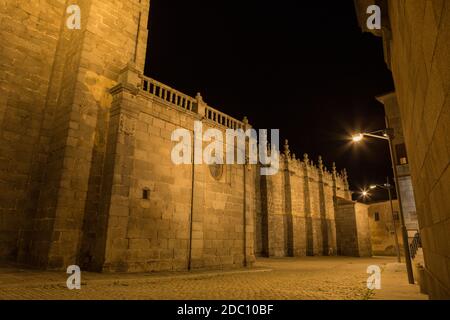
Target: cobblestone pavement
x: 288, y: 278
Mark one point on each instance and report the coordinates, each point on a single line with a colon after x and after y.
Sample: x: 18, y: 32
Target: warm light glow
x: 373, y: 187
x: 365, y: 194
x: 357, y: 137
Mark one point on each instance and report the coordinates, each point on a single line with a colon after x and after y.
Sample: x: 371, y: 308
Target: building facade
x: 416, y: 38
x: 86, y: 175
x: 353, y: 229
x: 393, y: 121
x: 297, y: 209
x: 54, y: 118
x: 382, y: 223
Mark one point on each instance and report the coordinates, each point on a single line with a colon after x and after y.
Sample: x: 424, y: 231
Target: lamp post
x: 387, y: 135
x: 388, y: 187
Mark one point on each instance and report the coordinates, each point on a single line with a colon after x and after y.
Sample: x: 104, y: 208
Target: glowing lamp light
x: 357, y: 137
x: 373, y: 187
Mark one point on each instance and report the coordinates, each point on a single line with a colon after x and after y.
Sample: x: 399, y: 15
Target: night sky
x: 302, y: 67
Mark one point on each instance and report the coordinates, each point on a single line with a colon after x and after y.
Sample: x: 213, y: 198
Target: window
x: 146, y: 194
x: 400, y: 151
x: 376, y: 216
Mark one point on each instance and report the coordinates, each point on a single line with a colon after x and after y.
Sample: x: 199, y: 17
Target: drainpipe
x: 245, y: 213
x: 200, y: 108
x: 245, y: 121
x: 192, y: 203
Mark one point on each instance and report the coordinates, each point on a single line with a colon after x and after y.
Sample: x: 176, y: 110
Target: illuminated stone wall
x: 86, y: 175
x: 192, y: 218
x: 29, y: 35
x: 416, y: 37
x: 54, y: 109
x: 352, y: 229
x: 298, y: 207
x: 382, y: 228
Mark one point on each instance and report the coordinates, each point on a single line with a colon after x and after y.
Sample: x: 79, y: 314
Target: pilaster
x: 118, y: 172
x: 307, y: 200
x: 323, y: 208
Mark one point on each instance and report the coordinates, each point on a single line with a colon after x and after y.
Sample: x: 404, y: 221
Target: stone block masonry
x: 382, y: 228
x: 353, y: 230
x: 86, y: 175
x: 29, y: 43
x: 416, y: 38
x: 297, y: 209
x: 54, y: 84
x: 190, y: 218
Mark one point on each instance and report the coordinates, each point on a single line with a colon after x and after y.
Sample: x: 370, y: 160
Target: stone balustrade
x: 166, y: 93
x: 181, y: 100
x: 222, y: 118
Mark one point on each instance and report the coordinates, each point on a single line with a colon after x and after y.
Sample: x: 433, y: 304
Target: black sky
x: 304, y: 67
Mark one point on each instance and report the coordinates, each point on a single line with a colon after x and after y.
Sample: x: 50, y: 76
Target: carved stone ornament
x: 216, y: 170
x: 127, y: 125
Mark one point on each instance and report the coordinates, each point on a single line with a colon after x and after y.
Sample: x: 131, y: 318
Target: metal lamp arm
x: 376, y: 136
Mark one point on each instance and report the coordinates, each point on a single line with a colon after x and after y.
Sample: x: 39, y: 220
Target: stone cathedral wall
x: 54, y: 111
x: 29, y: 39
x: 191, y: 218
x: 86, y: 175
x: 296, y: 213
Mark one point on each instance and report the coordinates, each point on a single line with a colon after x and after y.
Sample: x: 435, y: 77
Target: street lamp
x: 379, y: 134
x: 357, y: 137
x: 387, y: 186
x: 387, y: 134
